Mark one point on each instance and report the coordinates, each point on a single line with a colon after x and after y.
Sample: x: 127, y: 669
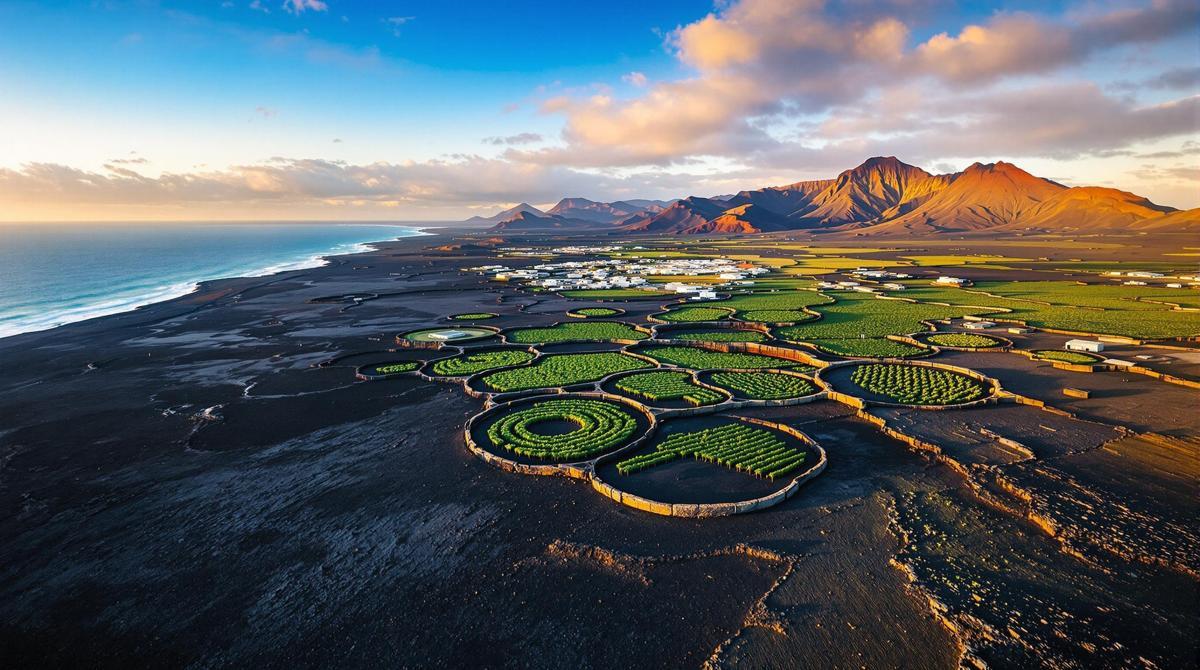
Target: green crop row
x: 693, y: 314
x: 860, y: 315
x: 917, y: 385
x: 562, y: 370
x: 592, y: 312
x: 750, y: 449
x: 396, y: 368
x: 763, y: 385
x: 963, y: 340
x: 1073, y: 357
x: 598, y: 426
x: 720, y: 336
x: 469, y: 364
x: 870, y: 347
x: 703, y: 359
x: 668, y: 385
x: 595, y: 331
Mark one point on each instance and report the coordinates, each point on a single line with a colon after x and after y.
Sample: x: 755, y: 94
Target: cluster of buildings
x: 628, y: 273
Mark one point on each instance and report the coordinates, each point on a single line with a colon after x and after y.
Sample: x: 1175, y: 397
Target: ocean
x: 52, y: 274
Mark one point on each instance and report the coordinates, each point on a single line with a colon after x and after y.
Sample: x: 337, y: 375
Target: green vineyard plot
x: 717, y: 336
x: 695, y: 314
x: 967, y: 340
x: 917, y: 385
x: 562, y: 370
x: 763, y: 385
x: 562, y: 430
x: 749, y: 449
x: 472, y: 363
x: 703, y: 359
x: 667, y: 385
x: 871, y: 347
x: 596, y: 331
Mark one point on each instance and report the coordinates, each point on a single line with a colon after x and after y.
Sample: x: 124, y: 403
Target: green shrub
x: 593, y: 312
x: 917, y: 385
x: 396, y: 368
x: 471, y: 363
x: 763, y: 385
x: 596, y: 331
x: 750, y: 449
x: 599, y: 426
x: 668, y: 385
x: 562, y: 370
x: 472, y: 316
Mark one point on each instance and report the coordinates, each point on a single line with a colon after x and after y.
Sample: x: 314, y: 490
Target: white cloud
x: 300, y: 6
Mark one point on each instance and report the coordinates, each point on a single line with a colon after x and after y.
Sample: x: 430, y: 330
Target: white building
x: 1084, y: 345
x: 952, y: 281
x: 978, y: 325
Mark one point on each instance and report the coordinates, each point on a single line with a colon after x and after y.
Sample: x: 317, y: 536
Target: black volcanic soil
x: 181, y: 486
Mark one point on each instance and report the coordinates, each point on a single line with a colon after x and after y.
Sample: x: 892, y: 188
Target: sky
x: 424, y: 110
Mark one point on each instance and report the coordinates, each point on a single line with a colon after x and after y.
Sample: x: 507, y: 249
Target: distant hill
x: 506, y: 214
x: 882, y: 196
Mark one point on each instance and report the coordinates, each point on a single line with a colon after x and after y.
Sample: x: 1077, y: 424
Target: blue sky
x: 418, y: 110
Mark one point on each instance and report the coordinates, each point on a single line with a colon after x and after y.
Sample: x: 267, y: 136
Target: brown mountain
x: 506, y: 214
x: 681, y: 217
x: 526, y: 220
x: 1187, y: 220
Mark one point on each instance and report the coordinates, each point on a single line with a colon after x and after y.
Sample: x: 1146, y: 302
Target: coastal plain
x: 255, y: 473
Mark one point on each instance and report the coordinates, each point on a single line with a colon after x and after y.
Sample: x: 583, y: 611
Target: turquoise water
x: 51, y: 274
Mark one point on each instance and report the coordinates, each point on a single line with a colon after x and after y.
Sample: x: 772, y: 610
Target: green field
x: 469, y: 364
x: 870, y: 347
x: 594, y: 312
x: 1102, y: 309
x: 1073, y: 357
x: 661, y: 385
x: 763, y: 385
x: 718, y: 336
x: 694, y: 314
x: 963, y: 340
x: 776, y: 307
x: 594, y: 331
x: 917, y: 385
x: 594, y: 426
x: 750, y: 449
x: 562, y: 370
x: 859, y: 314
x: 703, y: 359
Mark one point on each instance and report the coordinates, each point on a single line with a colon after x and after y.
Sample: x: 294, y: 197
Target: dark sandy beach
x: 185, y: 486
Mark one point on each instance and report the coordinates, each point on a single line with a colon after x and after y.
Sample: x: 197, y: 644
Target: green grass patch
x: 594, y: 312
x: 703, y: 359
x: 595, y: 426
x: 763, y: 385
x: 750, y: 449
x: 597, y: 331
x: 472, y: 316
x: 469, y: 364
x: 562, y: 370
x: 963, y: 340
x: 857, y: 314
x: 917, y: 385
x: 870, y: 347
x: 694, y: 314
x: 719, y: 336
x: 662, y: 385
x: 1073, y: 357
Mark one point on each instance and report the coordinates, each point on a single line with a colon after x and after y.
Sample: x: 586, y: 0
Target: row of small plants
x: 917, y: 385
x: 1073, y: 357
x: 719, y: 336
x: 763, y: 385
x: 564, y: 332
x: 694, y: 314
x: 668, y: 385
x: 471, y: 363
x: 396, y: 368
x: 472, y: 316
x: 857, y: 315
x: 870, y: 347
x: 750, y: 449
x: 562, y: 370
x: 963, y: 340
x: 594, y: 312
x: 703, y: 359
x: 598, y: 426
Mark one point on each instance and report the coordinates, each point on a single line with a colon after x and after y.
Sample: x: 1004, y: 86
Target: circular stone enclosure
x: 909, y: 384
x: 437, y: 337
x: 557, y: 429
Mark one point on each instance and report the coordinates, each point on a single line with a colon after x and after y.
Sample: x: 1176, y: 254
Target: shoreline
x: 116, y: 306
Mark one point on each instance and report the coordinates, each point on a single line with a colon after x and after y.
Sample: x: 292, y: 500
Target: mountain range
x: 883, y: 196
